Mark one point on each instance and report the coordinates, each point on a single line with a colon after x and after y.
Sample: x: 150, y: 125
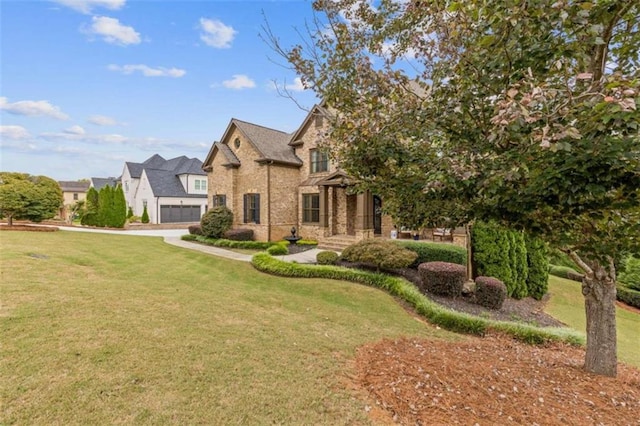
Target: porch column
x: 324, y: 207
x: 364, y: 215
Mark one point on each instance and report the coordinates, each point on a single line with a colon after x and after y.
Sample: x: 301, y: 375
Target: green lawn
x: 103, y: 329
x: 567, y: 305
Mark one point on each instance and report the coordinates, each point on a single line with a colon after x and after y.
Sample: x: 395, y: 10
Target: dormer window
x: 319, y: 161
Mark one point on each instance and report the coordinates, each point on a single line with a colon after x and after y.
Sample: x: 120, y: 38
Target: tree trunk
x: 10, y: 220
x: 599, y: 292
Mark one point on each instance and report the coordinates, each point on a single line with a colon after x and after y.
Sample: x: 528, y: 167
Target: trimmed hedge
x: 379, y: 253
x: 249, y: 245
x: 278, y: 250
x: 239, y: 234
x: 519, y: 267
x: 629, y: 296
x: 327, y: 258
x: 565, y: 272
x: 446, y: 318
x: 189, y: 237
x: 490, y: 292
x: 491, y: 253
x: 446, y: 279
x: 435, y: 252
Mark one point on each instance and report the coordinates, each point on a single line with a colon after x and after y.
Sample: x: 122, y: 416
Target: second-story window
x: 75, y: 196
x: 201, y: 184
x: 319, y: 161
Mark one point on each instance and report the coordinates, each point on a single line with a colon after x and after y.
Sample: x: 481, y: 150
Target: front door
x: 377, y: 215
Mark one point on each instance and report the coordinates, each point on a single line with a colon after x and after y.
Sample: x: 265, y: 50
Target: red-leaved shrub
x: 443, y: 278
x: 490, y: 292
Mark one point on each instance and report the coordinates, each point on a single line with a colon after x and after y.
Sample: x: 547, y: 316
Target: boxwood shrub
x: 327, y: 257
x: 195, y: 230
x: 490, y: 292
x: 443, y: 278
x: 278, y: 250
x: 216, y: 222
x: 435, y: 252
x: 383, y: 254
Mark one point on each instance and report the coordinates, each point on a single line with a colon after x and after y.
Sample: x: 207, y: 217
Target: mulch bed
x: 491, y: 380
x: 30, y: 228
x: 527, y: 310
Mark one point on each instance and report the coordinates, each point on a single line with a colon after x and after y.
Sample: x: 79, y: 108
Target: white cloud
x: 32, y: 108
x: 14, y: 132
x: 239, y: 82
x: 75, y: 130
x: 112, y: 31
x: 216, y: 34
x: 86, y: 6
x: 102, y: 120
x: 296, y: 86
x: 86, y: 138
x: 148, y: 71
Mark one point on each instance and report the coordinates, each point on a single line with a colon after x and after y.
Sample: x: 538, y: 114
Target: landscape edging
x: 446, y: 318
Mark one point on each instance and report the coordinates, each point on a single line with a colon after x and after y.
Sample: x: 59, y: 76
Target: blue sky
x: 86, y: 85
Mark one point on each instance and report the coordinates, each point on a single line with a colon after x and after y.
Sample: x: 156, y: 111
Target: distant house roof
x: 73, y: 186
x: 164, y: 175
x: 99, y: 183
x: 271, y: 144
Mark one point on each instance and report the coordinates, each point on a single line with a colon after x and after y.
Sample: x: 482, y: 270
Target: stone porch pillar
x: 364, y: 216
x: 324, y: 207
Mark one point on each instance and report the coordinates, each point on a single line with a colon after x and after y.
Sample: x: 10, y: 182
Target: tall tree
x: 520, y: 112
x: 23, y: 196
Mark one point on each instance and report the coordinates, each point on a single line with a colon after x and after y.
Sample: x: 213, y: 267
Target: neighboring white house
x: 173, y: 190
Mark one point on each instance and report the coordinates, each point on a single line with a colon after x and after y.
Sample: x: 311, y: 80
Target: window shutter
x: 223, y: 200
x: 246, y: 207
x: 257, y: 208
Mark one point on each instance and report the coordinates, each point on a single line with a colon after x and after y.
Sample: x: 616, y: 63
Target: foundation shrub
x: 434, y: 252
x: 145, y: 215
x: 443, y: 278
x: 189, y: 237
x: 382, y: 254
x: 216, y: 222
x: 239, y: 234
x: 327, y: 258
x: 195, y: 230
x: 490, y: 292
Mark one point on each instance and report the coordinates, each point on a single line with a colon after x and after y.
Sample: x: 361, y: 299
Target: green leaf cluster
x: 27, y: 197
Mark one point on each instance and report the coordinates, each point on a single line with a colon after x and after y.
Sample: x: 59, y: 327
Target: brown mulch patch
x: 527, y: 310
x: 30, y: 228
x: 492, y: 380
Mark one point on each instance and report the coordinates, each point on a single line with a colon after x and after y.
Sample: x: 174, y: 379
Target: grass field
x: 103, y: 329
x: 567, y: 305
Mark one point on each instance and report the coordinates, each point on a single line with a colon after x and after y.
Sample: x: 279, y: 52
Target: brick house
x: 273, y: 181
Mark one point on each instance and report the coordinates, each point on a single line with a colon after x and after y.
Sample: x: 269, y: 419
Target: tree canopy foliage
x: 519, y: 112
x: 23, y: 196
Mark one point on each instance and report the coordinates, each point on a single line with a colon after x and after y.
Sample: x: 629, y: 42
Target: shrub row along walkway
x: 308, y: 256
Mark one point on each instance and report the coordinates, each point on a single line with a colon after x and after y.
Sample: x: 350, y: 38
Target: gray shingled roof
x: 73, y: 186
x: 164, y: 174
x: 273, y: 145
x: 228, y: 154
x: 135, y: 169
x: 99, y: 183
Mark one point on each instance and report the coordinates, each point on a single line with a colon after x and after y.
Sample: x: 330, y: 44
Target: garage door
x: 173, y: 214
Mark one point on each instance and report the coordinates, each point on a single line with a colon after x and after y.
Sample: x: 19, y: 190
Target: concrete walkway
x: 172, y: 236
